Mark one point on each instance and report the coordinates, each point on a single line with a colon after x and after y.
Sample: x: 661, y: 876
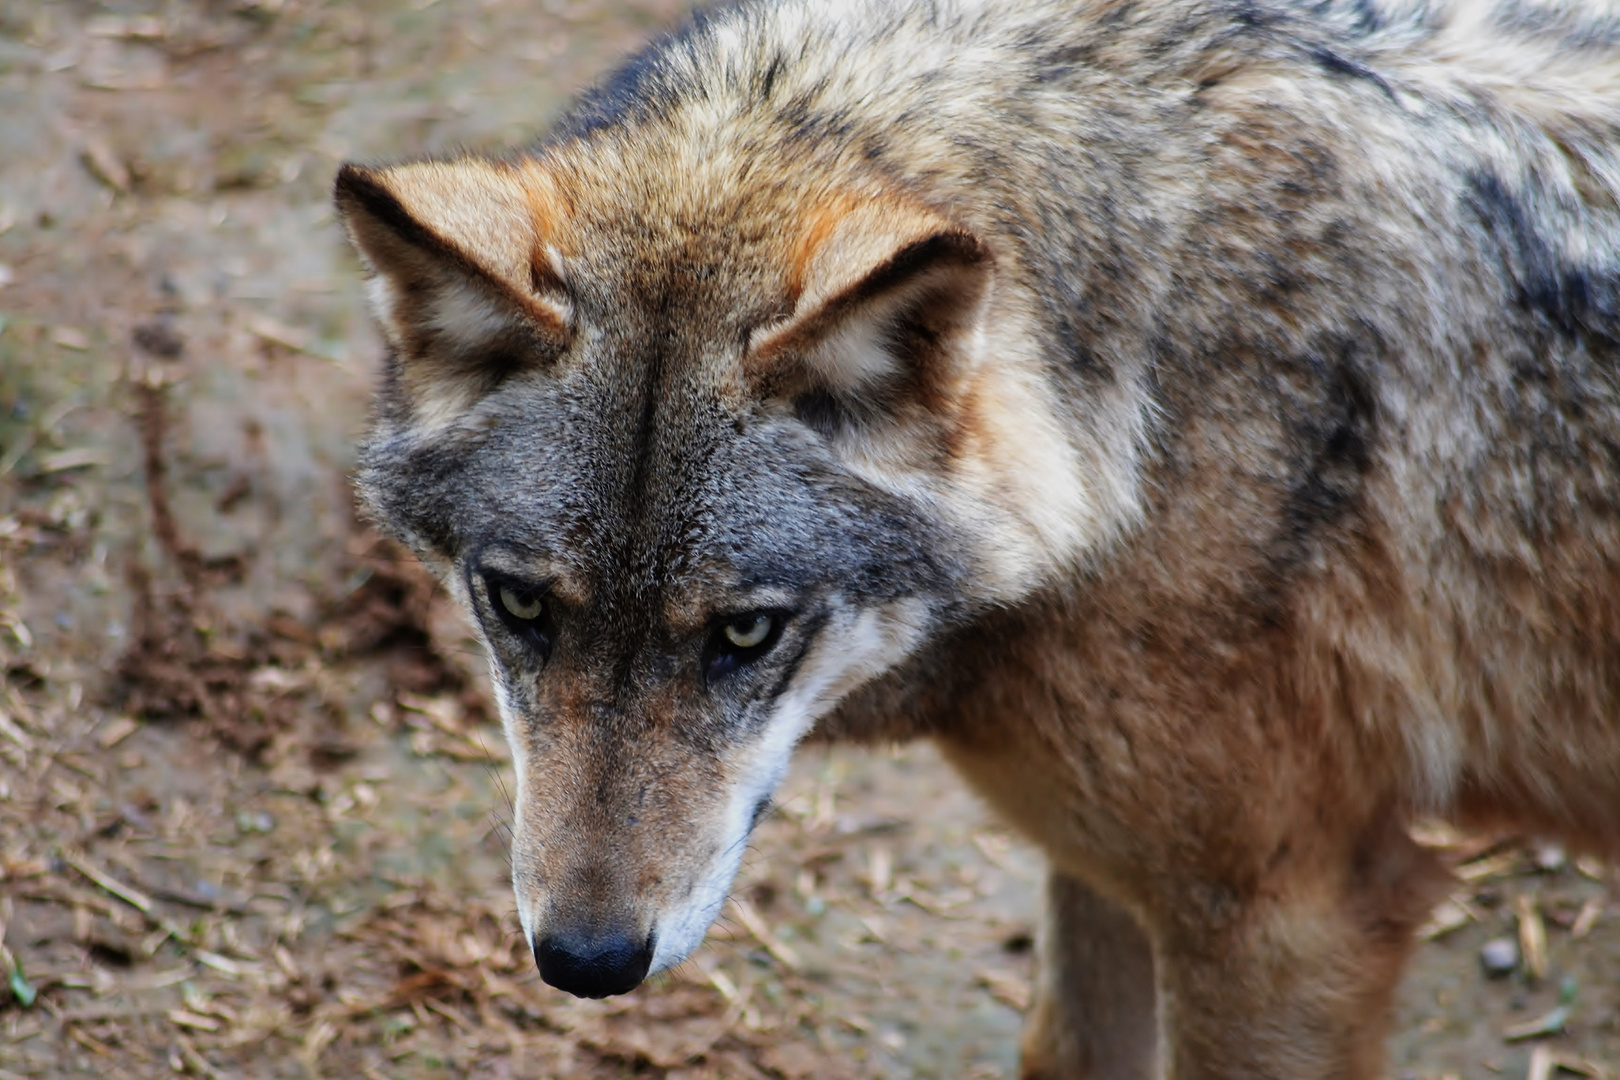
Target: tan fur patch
x: 465, y: 271
x: 846, y: 240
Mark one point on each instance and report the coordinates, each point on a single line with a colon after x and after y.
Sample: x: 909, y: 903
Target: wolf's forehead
x: 639, y: 476
x: 679, y: 289
x: 708, y: 242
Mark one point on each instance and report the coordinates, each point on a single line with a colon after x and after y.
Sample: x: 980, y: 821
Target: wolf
x: 1200, y: 418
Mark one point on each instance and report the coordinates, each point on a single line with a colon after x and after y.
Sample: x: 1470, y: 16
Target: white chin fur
x: 855, y: 646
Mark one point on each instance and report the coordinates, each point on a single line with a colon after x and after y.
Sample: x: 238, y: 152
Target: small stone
x: 1499, y: 957
x: 1550, y: 858
x: 70, y: 337
x: 160, y: 338
x: 105, y: 165
x: 258, y: 822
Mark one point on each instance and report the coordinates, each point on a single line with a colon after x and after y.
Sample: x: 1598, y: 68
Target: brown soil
x: 252, y: 803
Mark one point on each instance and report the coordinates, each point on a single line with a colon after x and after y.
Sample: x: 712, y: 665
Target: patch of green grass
x: 21, y: 988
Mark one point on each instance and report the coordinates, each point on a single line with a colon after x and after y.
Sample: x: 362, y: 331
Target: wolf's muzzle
x: 593, y: 966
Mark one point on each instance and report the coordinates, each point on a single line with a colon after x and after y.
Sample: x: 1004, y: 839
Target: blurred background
x: 252, y: 798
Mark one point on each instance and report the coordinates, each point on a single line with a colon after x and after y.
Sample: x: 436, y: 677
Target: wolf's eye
x: 748, y: 631
x: 522, y: 605
x: 522, y: 609
x: 738, y: 641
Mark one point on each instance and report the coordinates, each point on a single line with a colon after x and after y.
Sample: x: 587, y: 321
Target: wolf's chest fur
x: 1204, y: 420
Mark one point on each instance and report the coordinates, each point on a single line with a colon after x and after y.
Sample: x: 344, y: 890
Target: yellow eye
x: 520, y: 605
x: 748, y: 631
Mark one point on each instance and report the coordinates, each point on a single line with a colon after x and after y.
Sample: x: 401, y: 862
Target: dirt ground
x: 252, y: 804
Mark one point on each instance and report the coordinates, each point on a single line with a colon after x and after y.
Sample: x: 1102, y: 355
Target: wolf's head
x: 701, y: 450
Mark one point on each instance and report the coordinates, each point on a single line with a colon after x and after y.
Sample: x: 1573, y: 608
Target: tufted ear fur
x: 885, y: 296
x: 466, y: 289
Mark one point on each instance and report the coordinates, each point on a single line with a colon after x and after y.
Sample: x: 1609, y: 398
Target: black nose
x: 593, y: 967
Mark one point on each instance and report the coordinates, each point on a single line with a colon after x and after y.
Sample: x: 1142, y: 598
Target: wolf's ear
x: 885, y: 297
x: 466, y: 288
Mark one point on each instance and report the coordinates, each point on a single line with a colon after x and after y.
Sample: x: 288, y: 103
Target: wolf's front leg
x: 1297, y: 1000
x: 1293, y: 978
x: 1093, y: 1016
